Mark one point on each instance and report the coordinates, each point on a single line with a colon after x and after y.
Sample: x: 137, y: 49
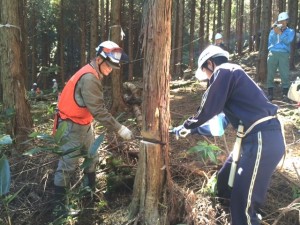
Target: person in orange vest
x: 82, y: 101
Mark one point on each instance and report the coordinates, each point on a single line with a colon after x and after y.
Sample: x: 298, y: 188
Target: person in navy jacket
x: 243, y: 102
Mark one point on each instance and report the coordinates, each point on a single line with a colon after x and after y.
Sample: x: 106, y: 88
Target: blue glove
x: 180, y: 131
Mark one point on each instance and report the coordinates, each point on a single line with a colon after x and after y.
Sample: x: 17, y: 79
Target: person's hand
x: 125, y: 133
x: 180, y: 131
x: 277, y: 30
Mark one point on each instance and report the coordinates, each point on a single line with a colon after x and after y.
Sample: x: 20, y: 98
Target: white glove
x: 125, y: 133
x: 181, y: 131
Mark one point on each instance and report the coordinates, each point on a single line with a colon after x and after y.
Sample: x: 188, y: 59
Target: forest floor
x: 32, y: 177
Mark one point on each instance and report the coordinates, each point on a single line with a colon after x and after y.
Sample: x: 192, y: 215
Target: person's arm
x: 92, y: 96
x: 210, y: 129
x: 213, y: 100
x: 287, y: 37
x: 273, y: 38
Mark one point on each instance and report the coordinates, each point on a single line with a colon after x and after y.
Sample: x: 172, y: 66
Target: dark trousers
x: 261, y: 152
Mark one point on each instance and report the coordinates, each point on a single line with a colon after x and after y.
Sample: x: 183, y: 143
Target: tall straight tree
x: 257, y: 24
x: 293, y: 14
x: 227, y: 23
x: 202, y: 25
x: 94, y: 27
x: 251, y: 25
x: 82, y: 24
x: 239, y: 26
x: 61, y: 42
x: 130, y: 39
x: 192, y: 34
x: 263, y: 47
x: 12, y: 70
x: 118, y: 103
x: 149, y: 192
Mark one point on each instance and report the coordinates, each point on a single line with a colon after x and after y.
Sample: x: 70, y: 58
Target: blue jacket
x: 281, y: 43
x: 232, y: 91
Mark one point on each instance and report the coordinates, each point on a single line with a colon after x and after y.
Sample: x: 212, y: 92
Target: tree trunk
x: 293, y: 14
x: 263, y: 49
x: 227, y: 23
x: 130, y: 40
x: 118, y: 103
x: 251, y: 25
x: 192, y: 34
x: 102, y: 20
x: 61, y: 43
x: 257, y: 24
x: 12, y: 68
x: 207, y: 15
x: 239, y: 27
x: 82, y: 24
x: 201, y: 26
x: 94, y: 7
x: 149, y: 192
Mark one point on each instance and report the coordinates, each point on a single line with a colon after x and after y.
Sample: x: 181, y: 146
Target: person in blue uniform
x: 279, y: 46
x: 243, y: 102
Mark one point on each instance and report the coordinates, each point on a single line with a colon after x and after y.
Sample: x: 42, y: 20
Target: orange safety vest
x: 67, y: 105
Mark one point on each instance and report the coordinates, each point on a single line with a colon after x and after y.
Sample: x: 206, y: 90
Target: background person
x: 279, y: 46
x: 219, y: 41
x: 232, y: 91
x: 54, y: 86
x: 80, y: 102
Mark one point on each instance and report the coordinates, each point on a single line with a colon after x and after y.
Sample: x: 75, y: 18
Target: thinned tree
x: 263, y: 47
x: 149, y: 193
x: 94, y: 42
x: 239, y: 26
x: 192, y: 34
x: 227, y: 23
x: 293, y: 14
x: 118, y: 103
x: 61, y: 42
x: 12, y: 71
x: 257, y: 24
x: 202, y: 25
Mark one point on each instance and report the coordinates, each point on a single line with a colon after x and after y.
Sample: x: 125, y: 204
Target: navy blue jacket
x: 232, y: 91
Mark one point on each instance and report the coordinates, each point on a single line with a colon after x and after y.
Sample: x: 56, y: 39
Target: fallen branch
x: 293, y: 206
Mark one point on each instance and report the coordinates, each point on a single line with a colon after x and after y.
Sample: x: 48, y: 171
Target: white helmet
x: 34, y: 84
x: 53, y: 80
x: 112, y: 52
x: 283, y: 16
x: 218, y: 36
x: 211, y: 51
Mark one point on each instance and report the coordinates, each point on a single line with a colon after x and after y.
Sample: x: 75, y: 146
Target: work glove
x: 180, y: 131
x: 125, y: 133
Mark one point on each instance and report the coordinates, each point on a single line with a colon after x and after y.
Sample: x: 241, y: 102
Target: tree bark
x: 61, y: 38
x: 192, y: 34
x: 227, y: 19
x: 12, y: 68
x: 118, y: 103
x: 202, y: 26
x: 130, y: 39
x: 263, y: 48
x: 293, y: 14
x: 83, y: 32
x: 149, y: 192
x: 94, y: 42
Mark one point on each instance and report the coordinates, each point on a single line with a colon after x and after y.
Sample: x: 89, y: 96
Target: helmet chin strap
x: 213, y: 65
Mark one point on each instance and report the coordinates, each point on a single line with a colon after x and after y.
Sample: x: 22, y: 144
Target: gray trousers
x: 76, y: 136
